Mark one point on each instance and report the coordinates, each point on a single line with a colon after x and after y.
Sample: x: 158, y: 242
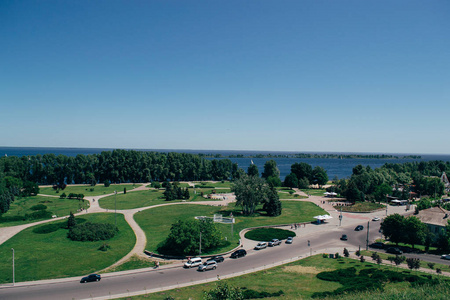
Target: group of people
x: 297, y: 225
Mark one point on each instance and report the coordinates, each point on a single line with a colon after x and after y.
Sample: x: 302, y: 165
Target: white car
x: 261, y: 245
x: 376, y: 219
x: 193, y: 262
x: 445, y: 256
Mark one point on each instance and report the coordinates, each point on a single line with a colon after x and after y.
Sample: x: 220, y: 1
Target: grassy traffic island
x: 45, y: 251
x: 157, y: 222
x: 317, y: 277
x: 361, y: 207
x: 267, y: 234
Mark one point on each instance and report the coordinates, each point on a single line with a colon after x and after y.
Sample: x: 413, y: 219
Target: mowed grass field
x: 59, y: 207
x: 156, y: 222
x: 53, y: 255
x: 297, y: 280
x: 88, y: 190
x: 135, y: 199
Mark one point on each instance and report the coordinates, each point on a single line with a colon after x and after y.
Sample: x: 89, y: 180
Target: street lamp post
x: 200, y: 249
x: 367, y: 240
x: 14, y: 271
x: 115, y: 207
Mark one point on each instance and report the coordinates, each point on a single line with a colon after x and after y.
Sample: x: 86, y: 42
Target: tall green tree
x: 253, y: 170
x: 320, y: 176
x: 382, y: 191
x: 273, y: 205
x: 250, y: 191
x: 270, y: 169
x: 302, y: 170
x: 291, y: 180
x: 393, y: 228
x: 415, y: 231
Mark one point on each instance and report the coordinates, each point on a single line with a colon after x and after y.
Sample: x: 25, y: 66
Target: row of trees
x: 410, y: 230
x: 302, y: 175
x: 173, y: 191
x: 117, y: 166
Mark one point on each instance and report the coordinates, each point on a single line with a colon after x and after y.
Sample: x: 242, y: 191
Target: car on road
x: 359, y: 228
x: 90, y: 278
x: 289, y: 240
x: 207, y: 265
x: 274, y: 242
x: 217, y: 259
x: 238, y: 253
x: 261, y: 245
x: 193, y: 262
x: 376, y: 219
x: 394, y: 250
x: 377, y: 245
x: 445, y: 256
x: 344, y: 237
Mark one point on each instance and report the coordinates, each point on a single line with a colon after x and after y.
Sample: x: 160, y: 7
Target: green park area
x: 156, y: 222
x: 88, y: 190
x: 324, y: 278
x: 362, y: 207
x: 132, y: 200
x: 44, y: 251
x: 287, y: 195
x: 36, y: 208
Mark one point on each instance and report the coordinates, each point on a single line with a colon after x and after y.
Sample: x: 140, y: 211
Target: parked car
x: 394, y: 250
x: 217, y: 259
x: 377, y: 245
x: 289, y: 240
x: 376, y: 219
x: 445, y: 256
x: 238, y: 253
x: 90, y: 278
x: 207, y: 265
x: 274, y: 242
x: 344, y: 237
x: 261, y: 245
x: 193, y: 262
x: 359, y: 228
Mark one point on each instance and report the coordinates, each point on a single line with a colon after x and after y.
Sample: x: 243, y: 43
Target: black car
x: 90, y: 278
x: 238, y: 253
x: 359, y: 228
x: 344, y: 237
x: 217, y: 259
x: 394, y: 250
x: 377, y: 245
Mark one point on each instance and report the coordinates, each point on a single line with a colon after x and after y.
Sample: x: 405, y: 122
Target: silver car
x: 274, y: 242
x: 207, y: 265
x: 261, y: 245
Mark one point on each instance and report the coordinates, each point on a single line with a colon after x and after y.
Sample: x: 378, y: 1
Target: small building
x: 436, y: 218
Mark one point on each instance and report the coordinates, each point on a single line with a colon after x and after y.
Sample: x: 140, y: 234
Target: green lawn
x: 89, y: 190
x: 134, y: 199
x: 156, y: 222
x: 297, y: 280
x: 314, y: 192
x: 53, y: 255
x: 59, y: 207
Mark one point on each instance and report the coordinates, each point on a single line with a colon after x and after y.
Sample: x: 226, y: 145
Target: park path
x: 94, y: 207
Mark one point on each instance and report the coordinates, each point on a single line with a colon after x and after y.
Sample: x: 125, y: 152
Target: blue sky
x: 328, y: 76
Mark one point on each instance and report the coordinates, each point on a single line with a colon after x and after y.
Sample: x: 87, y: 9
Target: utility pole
x: 115, y: 207
x: 367, y: 241
x: 14, y: 271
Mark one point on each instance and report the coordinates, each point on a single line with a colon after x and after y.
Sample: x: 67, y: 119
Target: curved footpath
x: 141, y: 240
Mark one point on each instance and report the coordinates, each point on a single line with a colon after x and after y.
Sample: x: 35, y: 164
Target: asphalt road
x: 326, y: 240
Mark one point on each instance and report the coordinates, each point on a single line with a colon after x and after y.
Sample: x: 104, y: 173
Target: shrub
x: 40, y: 214
x: 156, y: 184
x: 267, y: 234
x: 346, y: 253
x: 358, y: 253
x: 362, y: 259
x: 104, y: 247
x: 107, y: 183
x: 38, y: 207
x: 62, y: 196
x: 92, y: 232
x: 431, y: 265
x: 325, y: 255
x: 252, y: 294
x: 48, y: 228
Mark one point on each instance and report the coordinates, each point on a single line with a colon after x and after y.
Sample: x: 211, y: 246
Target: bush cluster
x: 267, y: 234
x: 38, y: 207
x: 92, y: 232
x: 252, y: 294
x: 368, y: 279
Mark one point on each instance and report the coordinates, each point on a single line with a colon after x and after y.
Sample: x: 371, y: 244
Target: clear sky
x: 317, y: 75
